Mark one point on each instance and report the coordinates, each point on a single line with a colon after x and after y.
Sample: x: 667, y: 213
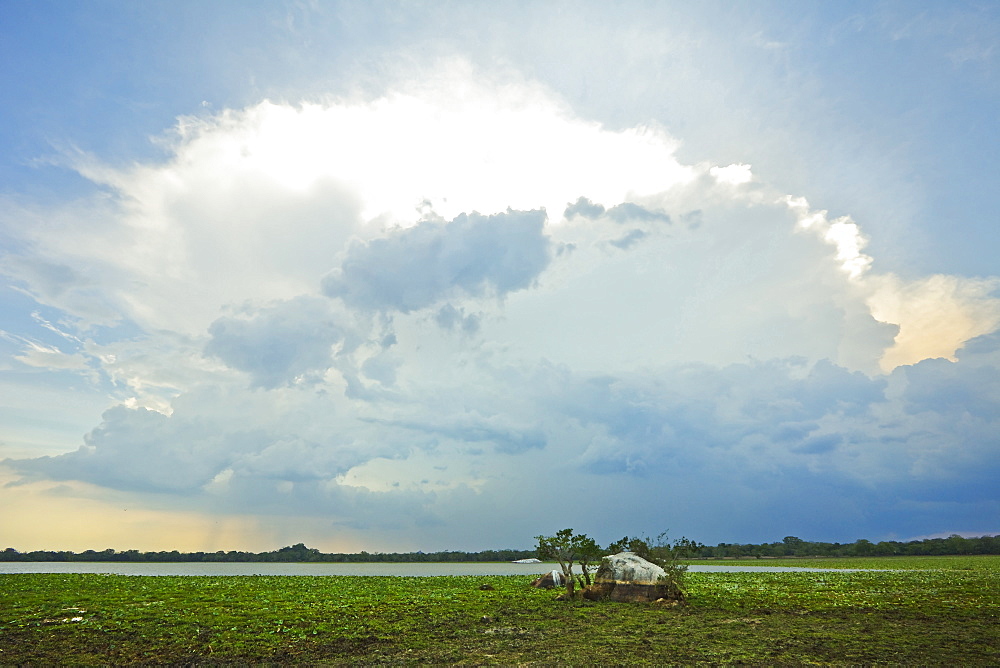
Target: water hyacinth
x: 934, y: 615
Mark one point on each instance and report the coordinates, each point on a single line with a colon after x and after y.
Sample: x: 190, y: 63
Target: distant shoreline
x: 788, y: 548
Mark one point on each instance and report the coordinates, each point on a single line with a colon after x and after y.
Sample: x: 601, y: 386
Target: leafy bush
x: 664, y: 554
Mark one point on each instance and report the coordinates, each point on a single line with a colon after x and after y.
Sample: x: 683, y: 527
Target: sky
x: 400, y: 276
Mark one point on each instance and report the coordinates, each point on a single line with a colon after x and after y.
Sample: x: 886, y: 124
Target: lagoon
x: 431, y: 569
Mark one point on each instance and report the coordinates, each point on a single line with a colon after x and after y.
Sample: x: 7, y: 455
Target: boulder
x: 550, y: 580
x: 627, y: 577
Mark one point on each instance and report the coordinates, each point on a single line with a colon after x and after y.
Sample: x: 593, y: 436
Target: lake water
x: 383, y: 569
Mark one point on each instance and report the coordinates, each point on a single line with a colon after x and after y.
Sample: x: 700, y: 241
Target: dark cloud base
x: 738, y: 453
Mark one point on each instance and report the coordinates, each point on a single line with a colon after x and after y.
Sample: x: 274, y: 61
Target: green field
x: 933, y: 611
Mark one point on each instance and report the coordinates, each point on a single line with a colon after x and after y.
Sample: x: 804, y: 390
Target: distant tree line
x: 790, y: 546
x: 295, y: 553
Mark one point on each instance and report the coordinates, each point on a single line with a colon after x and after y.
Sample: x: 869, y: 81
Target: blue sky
x: 400, y: 276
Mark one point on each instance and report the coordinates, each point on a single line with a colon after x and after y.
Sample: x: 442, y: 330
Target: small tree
x: 566, y: 548
x: 563, y: 549
x: 636, y: 545
x: 587, y: 551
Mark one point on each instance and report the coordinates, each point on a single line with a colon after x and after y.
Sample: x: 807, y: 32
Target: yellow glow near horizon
x: 70, y: 516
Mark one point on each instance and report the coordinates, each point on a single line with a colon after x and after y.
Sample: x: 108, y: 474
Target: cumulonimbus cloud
x: 314, y: 299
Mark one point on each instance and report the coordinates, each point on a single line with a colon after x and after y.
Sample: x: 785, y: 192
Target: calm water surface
x: 425, y: 569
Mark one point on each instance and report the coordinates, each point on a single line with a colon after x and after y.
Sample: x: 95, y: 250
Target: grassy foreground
x: 941, y: 611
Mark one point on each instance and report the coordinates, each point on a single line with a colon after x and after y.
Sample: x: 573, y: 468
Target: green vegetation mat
x: 942, y: 611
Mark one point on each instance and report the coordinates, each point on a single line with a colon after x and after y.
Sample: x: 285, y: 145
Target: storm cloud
x: 671, y: 280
